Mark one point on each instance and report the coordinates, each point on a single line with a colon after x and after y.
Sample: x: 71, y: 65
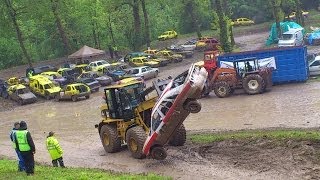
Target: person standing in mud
x: 16, y: 127
x: 54, y: 150
x: 26, y: 147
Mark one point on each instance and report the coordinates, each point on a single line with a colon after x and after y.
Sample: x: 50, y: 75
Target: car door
x: 68, y: 92
x: 150, y: 72
x: 314, y: 68
x: 144, y: 73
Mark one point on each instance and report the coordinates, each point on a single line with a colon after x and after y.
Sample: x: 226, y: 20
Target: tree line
x: 33, y: 30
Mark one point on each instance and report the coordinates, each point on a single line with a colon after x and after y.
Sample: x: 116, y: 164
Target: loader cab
x: 245, y: 66
x: 122, y: 99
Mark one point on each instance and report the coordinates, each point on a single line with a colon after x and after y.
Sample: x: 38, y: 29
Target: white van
x: 293, y: 37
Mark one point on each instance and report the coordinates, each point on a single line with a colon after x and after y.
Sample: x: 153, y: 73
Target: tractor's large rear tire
x: 135, y: 138
x: 179, y: 137
x: 253, y: 84
x: 222, y: 89
x: 110, y: 139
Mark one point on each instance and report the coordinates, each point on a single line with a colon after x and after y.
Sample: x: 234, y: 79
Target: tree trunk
x: 299, y: 16
x: 94, y: 35
x: 137, y: 25
x: 190, y: 6
x: 276, y: 13
x: 228, y: 13
x: 146, y: 22
x: 13, y: 14
x: 64, y: 38
x: 224, y: 38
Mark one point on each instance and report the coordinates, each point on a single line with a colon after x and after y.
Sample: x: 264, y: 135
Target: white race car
x: 177, y: 100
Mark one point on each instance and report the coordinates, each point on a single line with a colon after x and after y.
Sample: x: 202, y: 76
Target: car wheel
x: 193, y: 106
x: 87, y: 96
x: 158, y: 153
x: 47, y: 96
x: 57, y: 98
x: 156, y: 74
x: 20, y: 101
x: 74, y: 98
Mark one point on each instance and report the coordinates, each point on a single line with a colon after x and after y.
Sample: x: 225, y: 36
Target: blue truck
x: 291, y: 62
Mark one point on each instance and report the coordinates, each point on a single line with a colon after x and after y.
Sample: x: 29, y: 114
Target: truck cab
x: 293, y: 37
x: 42, y: 86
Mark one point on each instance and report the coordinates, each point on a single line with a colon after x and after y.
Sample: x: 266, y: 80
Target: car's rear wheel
x: 87, y: 96
x: 158, y: 153
x: 193, y: 106
x: 74, y: 98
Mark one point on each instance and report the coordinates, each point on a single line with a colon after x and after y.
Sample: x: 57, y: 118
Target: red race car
x: 177, y: 100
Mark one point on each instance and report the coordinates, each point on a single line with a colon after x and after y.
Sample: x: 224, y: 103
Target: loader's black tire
x: 110, y: 139
x: 135, y: 138
x: 252, y: 84
x: 222, y: 89
x: 179, y: 137
x: 193, y: 106
x: 158, y: 153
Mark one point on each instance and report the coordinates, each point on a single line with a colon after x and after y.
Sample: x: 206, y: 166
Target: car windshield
x: 69, y: 72
x: 286, y: 36
x: 170, y: 53
x: 88, y: 80
x: 81, y: 88
x: 48, y: 86
x: 102, y: 62
x: 22, y: 91
x: 135, y: 71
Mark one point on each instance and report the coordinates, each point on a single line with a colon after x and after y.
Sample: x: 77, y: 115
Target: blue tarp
x: 285, y: 26
x: 312, y: 36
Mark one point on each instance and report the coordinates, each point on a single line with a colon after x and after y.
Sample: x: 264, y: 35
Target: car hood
x: 28, y: 95
x: 103, y: 78
x: 118, y: 72
x: 54, y: 90
x: 161, y: 36
x: 152, y: 62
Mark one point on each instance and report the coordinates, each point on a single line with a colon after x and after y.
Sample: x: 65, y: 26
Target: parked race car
x: 92, y: 83
x: 144, y: 72
x: 177, y: 100
x: 104, y: 80
x: 74, y: 92
x: 21, y: 94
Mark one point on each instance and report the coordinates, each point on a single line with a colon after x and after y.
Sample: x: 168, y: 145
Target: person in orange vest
x: 16, y: 127
x: 26, y: 147
x: 54, y: 150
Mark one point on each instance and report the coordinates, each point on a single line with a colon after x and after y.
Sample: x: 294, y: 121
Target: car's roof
x: 123, y: 83
x: 76, y: 84
x: 18, y: 86
x: 141, y: 57
x: 50, y: 73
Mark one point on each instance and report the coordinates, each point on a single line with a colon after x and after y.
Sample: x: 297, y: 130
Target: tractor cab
x: 246, y: 66
x: 122, y: 99
x: 210, y: 60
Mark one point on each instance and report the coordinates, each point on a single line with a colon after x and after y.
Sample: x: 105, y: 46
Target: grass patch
x: 8, y: 170
x: 311, y: 135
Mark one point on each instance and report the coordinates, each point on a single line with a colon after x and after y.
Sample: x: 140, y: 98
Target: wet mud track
x: 285, y: 106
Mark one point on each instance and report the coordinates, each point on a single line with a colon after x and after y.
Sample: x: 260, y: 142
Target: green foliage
x: 90, y: 22
x: 311, y: 135
x: 8, y: 170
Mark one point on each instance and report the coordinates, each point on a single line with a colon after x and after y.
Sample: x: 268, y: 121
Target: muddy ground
x: 286, y: 106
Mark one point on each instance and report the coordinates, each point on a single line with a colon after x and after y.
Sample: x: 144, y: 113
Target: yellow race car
x: 74, y: 92
x: 242, y: 22
x: 143, y: 61
x: 168, y: 35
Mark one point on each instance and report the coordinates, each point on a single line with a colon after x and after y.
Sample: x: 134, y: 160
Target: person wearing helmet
x: 26, y: 147
x: 54, y: 150
x: 16, y: 127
